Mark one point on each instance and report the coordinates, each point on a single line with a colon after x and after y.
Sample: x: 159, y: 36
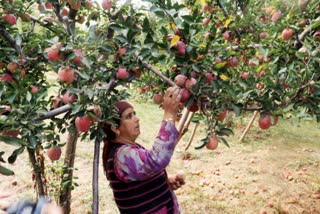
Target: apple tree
x: 61, y: 63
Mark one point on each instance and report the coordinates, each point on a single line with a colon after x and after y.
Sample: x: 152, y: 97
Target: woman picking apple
x: 136, y: 175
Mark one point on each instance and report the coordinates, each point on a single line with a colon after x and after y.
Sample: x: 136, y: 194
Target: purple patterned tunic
x: 134, y: 163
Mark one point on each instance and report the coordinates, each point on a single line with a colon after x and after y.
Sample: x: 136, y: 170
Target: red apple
x: 206, y: 35
x: 48, y: 5
x: 259, y: 86
x: 75, y: 4
x: 286, y: 33
x: 54, y: 153
x: 4, y: 108
x: 83, y: 123
x: 88, y: 4
x: 205, y: 21
x: 96, y: 110
x: 226, y: 36
x: 137, y: 72
x: 11, y: 133
x: 209, y: 77
x: 56, y: 102
x: 64, y: 12
x: 67, y: 98
x: 10, y: 18
x: 184, y: 95
x: 14, y: 183
x: 106, y: 4
x: 157, y: 99
x: 180, y: 80
x: 6, y: 77
x: 262, y: 35
x: 181, y: 48
x: 122, y: 51
x: 244, y: 75
x: 12, y: 67
x: 264, y: 121
x: 34, y: 89
x: 77, y: 59
x: 190, y: 82
x: 213, y: 142
x: 122, y: 74
x: 66, y: 74
x: 222, y: 114
x: 53, y: 55
x: 276, y: 16
x: 193, y: 107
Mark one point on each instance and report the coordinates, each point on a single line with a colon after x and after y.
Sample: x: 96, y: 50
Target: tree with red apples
x: 224, y: 58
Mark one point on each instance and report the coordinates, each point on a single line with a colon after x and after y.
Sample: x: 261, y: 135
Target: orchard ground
x: 275, y: 170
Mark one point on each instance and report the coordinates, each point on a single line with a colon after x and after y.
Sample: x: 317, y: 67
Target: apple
x: 6, y: 77
x: 56, y: 102
x: 10, y: 18
x: 53, y: 55
x: 276, y: 16
x: 244, y: 75
x: 209, y: 77
x: 218, y: 60
x: 157, y: 99
x: 48, y: 5
x: 180, y: 80
x: 106, y: 4
x: 262, y: 35
x: 232, y: 62
x: 316, y: 36
x: 5, y: 108
x: 193, y: 107
x: 184, y: 95
x: 77, y: 59
x: 226, y: 36
x: 122, y: 51
x: 137, y: 72
x: 83, y: 123
x: 259, y: 86
x: 88, y: 4
x: 213, y: 142
x: 75, y: 4
x: 96, y: 110
x: 206, y: 35
x: 12, y: 67
x: 205, y: 6
x: 302, y: 4
x: 205, y: 21
x: 222, y: 114
x: 64, y: 12
x: 11, y: 133
x: 66, y: 74
x: 286, y: 33
x: 264, y: 121
x: 263, y: 212
x: 122, y: 74
x: 14, y: 183
x: 34, y: 89
x: 181, y: 48
x: 190, y: 82
x: 54, y: 153
x: 67, y: 98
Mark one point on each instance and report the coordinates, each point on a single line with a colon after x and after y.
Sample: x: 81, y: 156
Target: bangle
x: 169, y: 119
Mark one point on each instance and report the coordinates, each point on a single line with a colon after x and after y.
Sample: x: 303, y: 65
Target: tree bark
x: 65, y: 196
x: 95, y: 189
x: 37, y: 171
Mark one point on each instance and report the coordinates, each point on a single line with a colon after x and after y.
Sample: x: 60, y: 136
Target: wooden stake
x: 255, y: 113
x: 192, y: 135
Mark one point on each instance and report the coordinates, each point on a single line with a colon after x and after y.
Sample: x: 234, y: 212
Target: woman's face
x: 129, y: 125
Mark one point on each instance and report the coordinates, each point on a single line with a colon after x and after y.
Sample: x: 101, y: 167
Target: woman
x: 136, y: 175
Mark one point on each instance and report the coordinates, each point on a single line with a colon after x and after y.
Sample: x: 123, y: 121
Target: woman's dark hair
x: 120, y: 107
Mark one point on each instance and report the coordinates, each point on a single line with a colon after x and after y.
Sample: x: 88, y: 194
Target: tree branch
x: 12, y: 42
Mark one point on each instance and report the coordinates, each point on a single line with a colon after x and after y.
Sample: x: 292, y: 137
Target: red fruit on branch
x: 75, y: 4
x: 34, y: 89
x: 286, y: 33
x: 190, y: 82
x: 259, y: 86
x: 122, y: 74
x: 184, y: 95
x: 96, y: 110
x: 6, y: 77
x: 244, y: 75
x: 122, y: 51
x: 83, y: 123
x: 53, y: 55
x: 106, y: 4
x: 12, y: 67
x: 54, y: 153
x: 77, y: 59
x: 264, y: 121
x: 193, y: 107
x: 4, y: 108
x: 56, y: 102
x: 67, y: 98
x: 180, y: 80
x: 157, y: 99
x: 276, y: 16
x: 181, y: 48
x: 66, y: 74
x: 11, y: 133
x: 213, y: 142
x: 137, y: 72
x: 88, y: 4
x: 10, y: 18
x: 222, y: 114
x: 205, y: 21
x: 226, y: 36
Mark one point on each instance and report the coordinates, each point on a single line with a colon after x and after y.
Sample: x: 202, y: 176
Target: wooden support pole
x: 191, y: 136
x: 255, y: 113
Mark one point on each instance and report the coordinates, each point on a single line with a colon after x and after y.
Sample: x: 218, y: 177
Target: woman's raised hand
x: 171, y: 102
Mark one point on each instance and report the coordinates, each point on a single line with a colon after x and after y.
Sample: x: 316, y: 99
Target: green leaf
x: 225, y: 142
x: 13, y: 141
x: 5, y: 171
x: 203, y: 143
x: 15, y: 154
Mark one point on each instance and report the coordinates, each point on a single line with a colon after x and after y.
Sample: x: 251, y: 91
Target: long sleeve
x: 136, y: 163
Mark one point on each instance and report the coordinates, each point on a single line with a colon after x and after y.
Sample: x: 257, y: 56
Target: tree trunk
x: 95, y: 192
x: 37, y: 171
x: 65, y: 196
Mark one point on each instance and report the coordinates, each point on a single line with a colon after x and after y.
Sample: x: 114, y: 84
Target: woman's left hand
x: 176, y: 181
